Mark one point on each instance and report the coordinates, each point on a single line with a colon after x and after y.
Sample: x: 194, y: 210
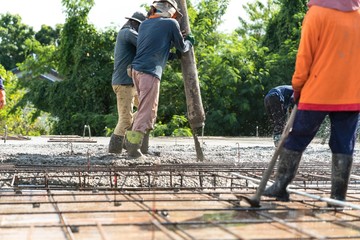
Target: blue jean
x: 342, y: 130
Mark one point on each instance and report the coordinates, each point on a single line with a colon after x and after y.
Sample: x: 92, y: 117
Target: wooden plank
x: 82, y: 140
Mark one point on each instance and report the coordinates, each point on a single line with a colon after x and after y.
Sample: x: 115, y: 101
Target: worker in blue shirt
x: 122, y: 83
x: 278, y: 103
x: 157, y: 35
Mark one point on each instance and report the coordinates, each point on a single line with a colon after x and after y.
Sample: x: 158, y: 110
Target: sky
x: 104, y: 14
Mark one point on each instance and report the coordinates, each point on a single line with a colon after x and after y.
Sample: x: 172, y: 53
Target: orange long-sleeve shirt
x: 327, y: 70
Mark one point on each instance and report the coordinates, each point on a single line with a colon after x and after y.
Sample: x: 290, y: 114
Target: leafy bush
x: 177, y: 127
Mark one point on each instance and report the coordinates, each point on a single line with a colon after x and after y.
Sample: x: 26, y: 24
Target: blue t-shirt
x: 285, y: 94
x: 156, y: 37
x: 124, y: 53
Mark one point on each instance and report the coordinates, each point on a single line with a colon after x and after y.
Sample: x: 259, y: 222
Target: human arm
x: 2, y: 93
x: 2, y: 98
x: 132, y: 36
x: 306, y: 53
x: 181, y: 44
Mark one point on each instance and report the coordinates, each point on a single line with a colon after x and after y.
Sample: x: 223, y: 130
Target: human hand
x: 296, y: 97
x: 129, y: 70
x: 2, y: 98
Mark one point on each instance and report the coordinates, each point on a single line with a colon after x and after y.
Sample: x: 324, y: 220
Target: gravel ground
x: 241, y: 152
x: 39, y: 151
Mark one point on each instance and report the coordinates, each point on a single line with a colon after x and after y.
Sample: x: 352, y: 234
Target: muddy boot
x: 145, y: 143
x: 340, y: 174
x: 133, y: 144
x: 287, y: 168
x: 116, y: 143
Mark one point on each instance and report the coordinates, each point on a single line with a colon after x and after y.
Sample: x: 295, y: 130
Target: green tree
x: 85, y: 62
x: 13, y: 34
x: 83, y: 58
x: 47, y: 35
x: 19, y: 120
x: 282, y: 38
x: 235, y: 70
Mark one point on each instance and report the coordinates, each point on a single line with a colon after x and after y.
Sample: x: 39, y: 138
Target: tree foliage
x: 47, y: 35
x: 235, y: 69
x: 23, y: 121
x: 13, y: 34
x: 84, y: 60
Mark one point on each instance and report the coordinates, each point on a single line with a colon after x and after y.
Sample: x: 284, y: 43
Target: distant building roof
x: 52, y: 75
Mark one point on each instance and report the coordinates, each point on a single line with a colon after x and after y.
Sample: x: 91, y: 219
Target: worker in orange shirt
x: 325, y: 83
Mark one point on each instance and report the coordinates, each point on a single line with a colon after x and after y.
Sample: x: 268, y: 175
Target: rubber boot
x: 133, y: 144
x: 116, y: 143
x: 145, y: 143
x: 286, y: 171
x: 340, y: 174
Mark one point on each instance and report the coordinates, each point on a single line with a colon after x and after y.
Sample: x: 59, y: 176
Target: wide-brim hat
x: 173, y: 3
x: 137, y: 16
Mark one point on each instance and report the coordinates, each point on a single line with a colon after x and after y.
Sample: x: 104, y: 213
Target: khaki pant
x: 148, y: 88
x: 127, y: 99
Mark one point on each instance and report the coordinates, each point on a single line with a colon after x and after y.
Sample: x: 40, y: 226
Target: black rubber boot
x: 133, y: 144
x: 286, y: 171
x: 116, y: 143
x: 340, y: 174
x: 145, y: 143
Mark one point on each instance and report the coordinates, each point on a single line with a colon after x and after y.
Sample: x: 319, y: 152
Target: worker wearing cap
x: 2, y: 93
x: 122, y: 83
x: 157, y: 35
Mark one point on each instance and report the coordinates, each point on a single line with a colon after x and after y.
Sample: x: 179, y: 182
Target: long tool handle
x: 267, y: 172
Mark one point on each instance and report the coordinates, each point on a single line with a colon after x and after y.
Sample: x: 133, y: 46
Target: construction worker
x: 157, y: 35
x: 122, y: 83
x: 326, y: 83
x: 278, y: 102
x: 2, y: 93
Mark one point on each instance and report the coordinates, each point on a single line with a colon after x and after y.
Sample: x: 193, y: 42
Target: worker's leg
x: 286, y: 171
x: 342, y: 143
x: 306, y: 124
x: 148, y: 88
x: 304, y: 129
x: 125, y: 95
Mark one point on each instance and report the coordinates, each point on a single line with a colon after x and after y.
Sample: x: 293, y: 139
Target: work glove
x: 190, y: 38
